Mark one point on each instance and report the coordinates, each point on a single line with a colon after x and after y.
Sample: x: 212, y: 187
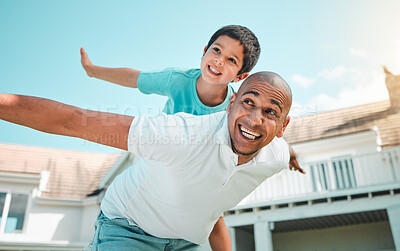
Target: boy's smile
x: 222, y: 62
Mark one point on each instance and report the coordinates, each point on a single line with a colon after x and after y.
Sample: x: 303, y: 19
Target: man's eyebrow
x: 274, y: 102
x: 252, y: 92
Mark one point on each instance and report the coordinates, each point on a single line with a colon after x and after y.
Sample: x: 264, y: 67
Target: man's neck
x: 209, y: 94
x: 243, y: 159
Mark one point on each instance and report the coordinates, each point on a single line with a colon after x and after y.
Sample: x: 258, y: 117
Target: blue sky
x: 330, y: 52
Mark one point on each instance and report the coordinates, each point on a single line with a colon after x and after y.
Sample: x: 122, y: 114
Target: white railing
x: 331, y: 175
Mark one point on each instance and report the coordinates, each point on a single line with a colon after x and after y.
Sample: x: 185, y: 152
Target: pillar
x: 263, y: 236
x: 394, y: 220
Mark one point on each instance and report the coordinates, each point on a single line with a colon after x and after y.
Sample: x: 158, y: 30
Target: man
x: 193, y: 168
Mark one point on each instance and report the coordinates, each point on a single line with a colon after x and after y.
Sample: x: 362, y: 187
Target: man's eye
x: 248, y: 102
x: 271, y: 112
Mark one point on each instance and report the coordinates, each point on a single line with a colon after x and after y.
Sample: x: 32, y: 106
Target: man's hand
x: 293, y: 164
x: 86, y: 63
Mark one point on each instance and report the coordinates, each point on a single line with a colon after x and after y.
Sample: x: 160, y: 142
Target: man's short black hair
x: 251, y: 47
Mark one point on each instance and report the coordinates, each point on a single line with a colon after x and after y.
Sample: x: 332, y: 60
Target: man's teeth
x: 249, y: 134
x: 214, y: 70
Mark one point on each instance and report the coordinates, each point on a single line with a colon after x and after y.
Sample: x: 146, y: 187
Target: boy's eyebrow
x: 273, y: 101
x: 234, y: 55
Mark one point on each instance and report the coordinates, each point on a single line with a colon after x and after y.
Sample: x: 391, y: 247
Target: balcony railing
x: 326, y: 176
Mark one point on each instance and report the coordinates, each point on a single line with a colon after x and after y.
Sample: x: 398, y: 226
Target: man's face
x: 222, y: 62
x: 257, y: 113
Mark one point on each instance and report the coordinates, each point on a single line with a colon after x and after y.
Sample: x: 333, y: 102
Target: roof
x: 346, y: 121
x: 73, y: 174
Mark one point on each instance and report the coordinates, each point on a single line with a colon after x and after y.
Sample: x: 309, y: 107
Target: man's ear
x: 241, y: 77
x: 282, y: 130
x: 228, y: 110
x: 205, y: 49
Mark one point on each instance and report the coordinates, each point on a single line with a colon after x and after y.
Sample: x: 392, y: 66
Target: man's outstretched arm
x: 57, y: 118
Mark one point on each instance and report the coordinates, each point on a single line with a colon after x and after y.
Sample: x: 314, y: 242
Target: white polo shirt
x: 188, y: 175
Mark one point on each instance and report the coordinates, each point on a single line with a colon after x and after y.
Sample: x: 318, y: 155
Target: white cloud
x: 358, y: 53
x: 302, y: 81
x: 335, y: 73
x: 369, y: 88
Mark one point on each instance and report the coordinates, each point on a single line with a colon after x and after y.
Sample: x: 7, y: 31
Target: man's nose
x: 256, y: 117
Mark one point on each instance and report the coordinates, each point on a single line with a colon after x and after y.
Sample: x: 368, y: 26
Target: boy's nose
x: 219, y: 61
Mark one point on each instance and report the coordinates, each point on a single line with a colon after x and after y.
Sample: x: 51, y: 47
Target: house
x: 350, y: 197
x: 348, y: 200
x: 45, y: 196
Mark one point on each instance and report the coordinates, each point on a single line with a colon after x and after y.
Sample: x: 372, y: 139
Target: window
x: 12, y: 212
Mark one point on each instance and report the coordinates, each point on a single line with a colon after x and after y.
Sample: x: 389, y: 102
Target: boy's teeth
x: 214, y: 70
x: 249, y: 134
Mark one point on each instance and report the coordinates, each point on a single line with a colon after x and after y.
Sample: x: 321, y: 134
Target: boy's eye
x: 216, y: 49
x: 232, y: 60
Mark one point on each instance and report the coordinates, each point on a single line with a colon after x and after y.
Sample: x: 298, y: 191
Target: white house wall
x: 89, y: 215
x: 324, y: 149
x: 48, y: 223
x: 364, y: 237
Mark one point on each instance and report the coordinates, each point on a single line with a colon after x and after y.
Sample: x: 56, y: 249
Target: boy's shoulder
x: 190, y: 73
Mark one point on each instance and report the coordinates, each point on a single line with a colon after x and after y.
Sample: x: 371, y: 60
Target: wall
x: 324, y: 149
x: 364, y: 237
x: 89, y: 216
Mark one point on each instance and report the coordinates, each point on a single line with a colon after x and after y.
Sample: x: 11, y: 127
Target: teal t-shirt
x: 180, y: 88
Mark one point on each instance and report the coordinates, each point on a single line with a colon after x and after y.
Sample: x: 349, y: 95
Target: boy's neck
x: 209, y: 94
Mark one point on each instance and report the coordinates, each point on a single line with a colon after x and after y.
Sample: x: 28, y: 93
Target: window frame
x: 6, y: 212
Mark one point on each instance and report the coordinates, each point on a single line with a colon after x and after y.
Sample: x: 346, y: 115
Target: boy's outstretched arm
x: 57, y: 118
x: 122, y: 76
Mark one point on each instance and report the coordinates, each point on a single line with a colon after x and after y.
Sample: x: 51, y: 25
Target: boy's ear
x: 205, y: 49
x: 241, y: 77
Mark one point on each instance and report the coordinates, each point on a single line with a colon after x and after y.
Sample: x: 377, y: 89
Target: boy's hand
x: 294, y: 164
x: 86, y: 63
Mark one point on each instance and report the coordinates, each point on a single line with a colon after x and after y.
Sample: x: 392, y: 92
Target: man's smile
x: 249, y: 134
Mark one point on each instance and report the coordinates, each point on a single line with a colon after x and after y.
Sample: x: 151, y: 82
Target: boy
x: 228, y: 57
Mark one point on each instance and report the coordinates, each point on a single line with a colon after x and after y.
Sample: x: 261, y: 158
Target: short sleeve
x: 156, y: 82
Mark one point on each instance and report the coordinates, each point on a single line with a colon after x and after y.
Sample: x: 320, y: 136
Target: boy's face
x: 222, y: 62
x: 257, y: 113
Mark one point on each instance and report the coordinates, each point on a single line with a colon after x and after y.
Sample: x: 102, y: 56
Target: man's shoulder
x: 204, y: 121
x: 277, y: 150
